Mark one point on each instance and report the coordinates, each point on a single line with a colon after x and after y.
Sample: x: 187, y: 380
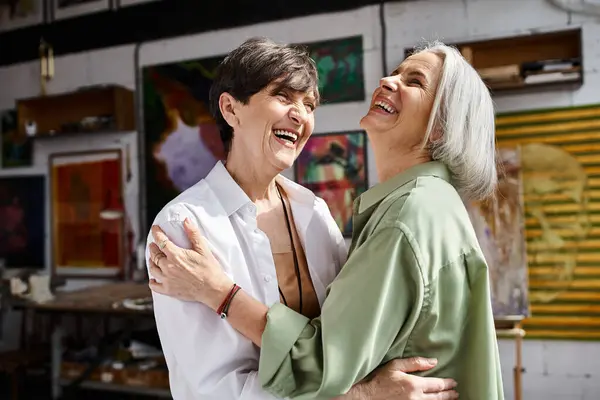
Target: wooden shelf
x: 88, y: 110
x: 527, y: 63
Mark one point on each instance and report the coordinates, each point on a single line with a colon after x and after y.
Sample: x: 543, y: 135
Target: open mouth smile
x: 384, y: 106
x: 286, y: 137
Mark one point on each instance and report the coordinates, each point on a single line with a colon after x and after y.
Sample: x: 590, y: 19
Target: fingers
x: 413, y: 364
x: 447, y: 395
x: 194, y: 236
x: 162, y: 241
x: 156, y: 286
x: 435, y: 385
x: 155, y: 271
x: 156, y: 254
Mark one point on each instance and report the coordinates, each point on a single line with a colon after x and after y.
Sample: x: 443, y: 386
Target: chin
x: 283, y: 163
x: 371, y: 124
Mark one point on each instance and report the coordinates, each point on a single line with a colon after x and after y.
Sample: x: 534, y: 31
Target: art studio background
x: 65, y: 176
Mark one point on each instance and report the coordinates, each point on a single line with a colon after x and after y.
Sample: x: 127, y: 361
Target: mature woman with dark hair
x: 280, y: 240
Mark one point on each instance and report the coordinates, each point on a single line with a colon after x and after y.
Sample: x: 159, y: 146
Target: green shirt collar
x: 380, y: 191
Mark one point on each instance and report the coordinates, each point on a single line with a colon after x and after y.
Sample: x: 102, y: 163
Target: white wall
x: 554, y: 370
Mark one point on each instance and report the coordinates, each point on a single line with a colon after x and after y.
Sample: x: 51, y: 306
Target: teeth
x: 290, y: 135
x: 385, y: 106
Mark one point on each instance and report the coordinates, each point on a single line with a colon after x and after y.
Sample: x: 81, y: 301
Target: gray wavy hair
x: 463, y: 112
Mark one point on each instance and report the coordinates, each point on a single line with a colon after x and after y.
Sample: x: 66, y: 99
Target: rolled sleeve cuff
x: 283, y: 329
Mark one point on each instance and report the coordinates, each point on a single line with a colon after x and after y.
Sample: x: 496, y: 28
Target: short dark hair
x: 254, y: 65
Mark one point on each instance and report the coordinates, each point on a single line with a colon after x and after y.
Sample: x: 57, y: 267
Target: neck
x: 257, y: 182
x: 390, y: 161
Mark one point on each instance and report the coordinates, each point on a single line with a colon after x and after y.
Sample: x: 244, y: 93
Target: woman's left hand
x: 187, y: 274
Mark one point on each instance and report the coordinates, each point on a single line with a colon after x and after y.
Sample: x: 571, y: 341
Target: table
x: 105, y: 300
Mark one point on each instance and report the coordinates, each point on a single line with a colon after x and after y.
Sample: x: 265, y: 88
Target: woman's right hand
x: 393, y: 381
x: 187, y: 274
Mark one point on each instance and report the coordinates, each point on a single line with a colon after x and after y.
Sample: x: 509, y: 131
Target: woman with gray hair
x: 415, y: 281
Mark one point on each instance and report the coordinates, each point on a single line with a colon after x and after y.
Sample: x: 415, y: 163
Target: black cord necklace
x: 296, y: 266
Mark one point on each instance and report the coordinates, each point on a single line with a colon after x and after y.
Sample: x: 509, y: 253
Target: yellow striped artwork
x: 560, y: 161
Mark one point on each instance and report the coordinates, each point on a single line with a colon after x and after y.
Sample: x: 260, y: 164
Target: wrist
x: 359, y: 391
x: 219, y: 295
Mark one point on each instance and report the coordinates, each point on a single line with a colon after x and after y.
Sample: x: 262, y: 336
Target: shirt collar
x: 232, y: 197
x: 380, y: 191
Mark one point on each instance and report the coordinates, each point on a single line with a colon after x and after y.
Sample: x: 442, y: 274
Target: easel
x: 510, y: 327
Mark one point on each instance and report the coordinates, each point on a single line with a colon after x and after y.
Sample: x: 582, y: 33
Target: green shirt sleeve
x: 372, y: 305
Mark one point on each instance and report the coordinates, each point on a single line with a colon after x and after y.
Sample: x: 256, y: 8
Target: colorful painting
x: 20, y: 13
x: 181, y: 137
x: 334, y: 167
x: 22, y: 222
x: 340, y: 66
x: 87, y: 213
x: 501, y: 232
x: 182, y: 141
x: 16, y: 149
x: 560, y: 162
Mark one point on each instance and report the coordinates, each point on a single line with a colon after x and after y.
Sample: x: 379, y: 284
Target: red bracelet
x: 227, y: 299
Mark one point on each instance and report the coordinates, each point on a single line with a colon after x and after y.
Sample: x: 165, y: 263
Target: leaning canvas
x: 500, y: 230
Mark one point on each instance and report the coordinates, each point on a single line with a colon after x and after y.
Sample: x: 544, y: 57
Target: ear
x: 436, y: 134
x: 228, y: 106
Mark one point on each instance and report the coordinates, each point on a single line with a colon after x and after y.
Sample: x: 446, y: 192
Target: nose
x: 298, y: 115
x: 389, y: 83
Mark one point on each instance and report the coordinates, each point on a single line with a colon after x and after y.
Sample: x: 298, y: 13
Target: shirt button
x: 267, y: 278
x: 257, y: 231
x: 251, y: 208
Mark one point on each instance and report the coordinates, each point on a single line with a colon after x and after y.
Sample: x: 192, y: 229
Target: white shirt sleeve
x: 203, y: 352
x: 339, y: 246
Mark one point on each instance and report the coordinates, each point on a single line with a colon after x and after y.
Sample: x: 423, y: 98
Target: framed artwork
x: 17, y: 149
x: 560, y: 170
x: 500, y: 229
x: 15, y: 14
x: 340, y: 66
x: 74, y: 8
x: 334, y: 167
x: 23, y: 222
x: 87, y: 213
x: 182, y: 141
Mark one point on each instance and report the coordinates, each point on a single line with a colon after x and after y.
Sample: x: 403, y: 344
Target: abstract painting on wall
x: 560, y: 167
x: 500, y: 230
x: 182, y: 141
x: 16, y: 14
x: 87, y: 208
x: 16, y: 148
x: 22, y: 222
x: 334, y: 167
x: 340, y: 66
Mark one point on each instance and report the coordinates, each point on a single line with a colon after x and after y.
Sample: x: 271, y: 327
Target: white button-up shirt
x: 207, y: 359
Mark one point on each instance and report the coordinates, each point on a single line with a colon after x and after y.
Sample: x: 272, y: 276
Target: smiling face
x: 400, y: 107
x: 272, y: 127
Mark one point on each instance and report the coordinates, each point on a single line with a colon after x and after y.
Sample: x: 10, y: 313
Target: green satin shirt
x: 415, y: 284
